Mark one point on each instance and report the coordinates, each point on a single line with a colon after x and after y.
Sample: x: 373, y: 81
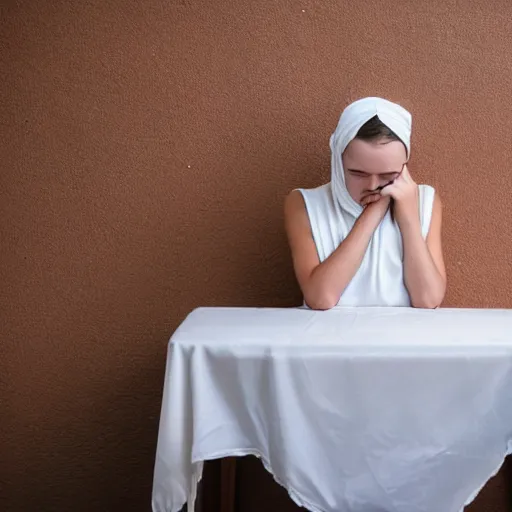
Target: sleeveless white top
x: 379, y: 281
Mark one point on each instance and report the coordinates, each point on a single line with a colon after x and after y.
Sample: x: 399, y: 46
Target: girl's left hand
x: 404, y: 192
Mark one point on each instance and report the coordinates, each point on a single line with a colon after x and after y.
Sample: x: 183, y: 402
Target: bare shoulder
x: 434, y: 236
x: 437, y: 208
x: 436, y: 205
x: 294, y: 203
x: 426, y: 190
x: 300, y: 238
x: 295, y: 213
x: 437, y: 201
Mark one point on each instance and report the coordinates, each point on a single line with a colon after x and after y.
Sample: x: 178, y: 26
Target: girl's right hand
x: 375, y: 206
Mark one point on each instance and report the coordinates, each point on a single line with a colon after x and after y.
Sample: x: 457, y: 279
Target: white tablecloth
x: 352, y: 409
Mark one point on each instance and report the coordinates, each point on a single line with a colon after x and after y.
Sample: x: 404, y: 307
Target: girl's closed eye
x: 358, y: 174
x: 391, y: 176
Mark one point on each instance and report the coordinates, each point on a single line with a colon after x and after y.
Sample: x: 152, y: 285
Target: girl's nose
x: 374, y: 182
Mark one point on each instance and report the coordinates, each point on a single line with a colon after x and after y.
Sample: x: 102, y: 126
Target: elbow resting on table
x: 326, y: 303
x: 321, y: 302
x: 427, y: 301
x: 429, y: 295
x: 425, y: 305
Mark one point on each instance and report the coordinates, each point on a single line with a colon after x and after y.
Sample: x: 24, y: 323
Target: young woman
x: 371, y: 236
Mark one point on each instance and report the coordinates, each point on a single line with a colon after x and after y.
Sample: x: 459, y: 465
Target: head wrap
x: 395, y: 117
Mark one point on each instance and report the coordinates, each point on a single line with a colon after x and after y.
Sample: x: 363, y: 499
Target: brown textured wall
x: 146, y: 149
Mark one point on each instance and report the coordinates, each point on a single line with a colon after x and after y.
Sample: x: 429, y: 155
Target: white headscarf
x: 395, y: 117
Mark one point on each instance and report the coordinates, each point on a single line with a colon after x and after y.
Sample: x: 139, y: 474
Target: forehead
x: 375, y: 157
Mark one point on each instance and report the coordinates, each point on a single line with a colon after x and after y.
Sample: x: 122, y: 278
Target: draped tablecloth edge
x: 296, y: 496
x: 473, y: 495
x: 293, y: 493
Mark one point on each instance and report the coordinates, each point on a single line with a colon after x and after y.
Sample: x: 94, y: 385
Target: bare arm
x: 424, y: 269
x: 323, y: 283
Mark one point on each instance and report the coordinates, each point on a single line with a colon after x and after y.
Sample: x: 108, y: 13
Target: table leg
x: 227, y: 484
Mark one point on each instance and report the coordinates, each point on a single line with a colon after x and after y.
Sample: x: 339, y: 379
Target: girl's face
x: 370, y: 165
